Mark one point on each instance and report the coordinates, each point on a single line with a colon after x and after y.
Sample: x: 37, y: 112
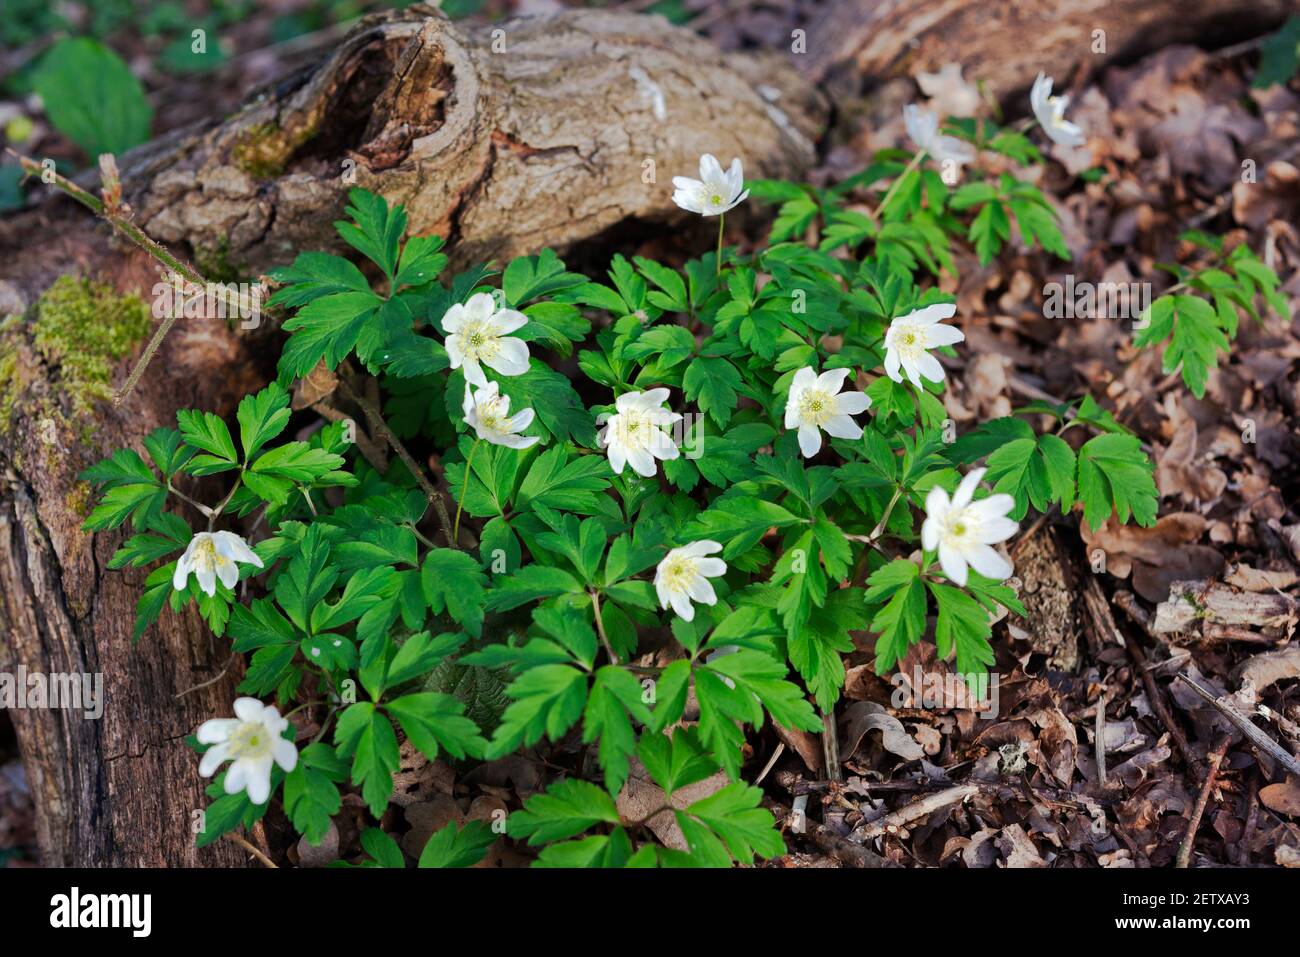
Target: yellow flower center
x: 816, y: 407
x: 481, y: 342
x: 678, y: 573
x: 909, y: 341
x: 206, y: 556
x: 250, y: 740
x: 633, y: 428
x: 960, y: 529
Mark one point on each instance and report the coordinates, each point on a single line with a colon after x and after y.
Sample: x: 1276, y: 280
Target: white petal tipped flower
x: 923, y: 127
x: 488, y: 411
x: 635, y: 435
x: 478, y: 334
x: 1050, y: 113
x: 911, y: 336
x: 964, y: 532
x: 816, y: 405
x: 683, y: 577
x: 714, y: 192
x: 212, y: 555
x: 252, y: 739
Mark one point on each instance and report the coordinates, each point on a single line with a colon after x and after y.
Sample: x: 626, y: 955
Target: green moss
x: 263, y: 150
x: 78, y: 499
x: 214, y: 263
x: 81, y: 329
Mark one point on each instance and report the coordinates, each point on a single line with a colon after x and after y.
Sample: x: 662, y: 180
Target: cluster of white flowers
x: 960, y: 529
x: 923, y: 125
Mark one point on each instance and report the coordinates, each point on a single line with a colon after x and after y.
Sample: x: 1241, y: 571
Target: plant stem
x: 464, y: 487
x: 893, y: 187
x: 600, y: 627
x: 717, y: 266
x: 884, y: 519
x: 379, y: 425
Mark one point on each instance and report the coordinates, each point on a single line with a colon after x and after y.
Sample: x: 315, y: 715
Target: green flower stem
x: 600, y: 627
x: 893, y: 187
x: 464, y: 487
x: 717, y: 268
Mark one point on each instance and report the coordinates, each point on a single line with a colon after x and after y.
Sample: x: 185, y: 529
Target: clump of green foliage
x: 361, y: 606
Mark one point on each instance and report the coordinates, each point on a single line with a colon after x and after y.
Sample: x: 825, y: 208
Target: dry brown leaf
x: 1284, y: 798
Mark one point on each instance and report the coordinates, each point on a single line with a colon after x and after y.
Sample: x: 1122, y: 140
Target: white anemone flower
x: 683, y: 577
x: 923, y: 127
x: 635, y: 433
x: 488, y: 411
x: 715, y: 192
x: 911, y: 336
x: 253, y: 740
x: 478, y: 334
x: 816, y: 405
x: 212, y: 555
x: 1050, y: 113
x: 964, y: 532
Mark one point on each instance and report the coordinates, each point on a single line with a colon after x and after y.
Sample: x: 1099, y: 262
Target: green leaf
x: 713, y: 383
x: 567, y: 808
x: 121, y: 502
x: 458, y: 846
x: 451, y: 579
x: 314, y: 275
x: 734, y: 815
x: 311, y: 796
x: 675, y: 762
x: 546, y: 699
x: 364, y: 734
x: 529, y: 277
x: 1115, y: 475
x: 262, y: 417
x: 206, y: 431
x: 431, y: 720
x: 377, y: 228
x: 529, y: 584
x: 422, y: 260
x: 962, y: 625
x: 382, y: 848
x: 1279, y: 55
x: 326, y: 328
x: 615, y: 698
x: 1192, y: 327
x: 989, y: 230
x: 738, y: 522
x: 92, y: 98
x: 901, y: 621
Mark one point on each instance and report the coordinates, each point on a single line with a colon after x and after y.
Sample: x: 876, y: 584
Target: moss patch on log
x: 79, y: 327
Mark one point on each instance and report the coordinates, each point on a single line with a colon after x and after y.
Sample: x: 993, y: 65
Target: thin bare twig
x: 252, y: 849
x: 922, y: 807
x: 1211, y: 772
x: 378, y: 425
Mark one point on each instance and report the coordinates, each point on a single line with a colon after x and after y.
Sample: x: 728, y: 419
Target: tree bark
x: 1004, y: 44
x: 548, y: 132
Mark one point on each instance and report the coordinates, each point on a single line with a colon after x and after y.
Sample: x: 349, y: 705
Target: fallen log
x: 1004, y: 45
